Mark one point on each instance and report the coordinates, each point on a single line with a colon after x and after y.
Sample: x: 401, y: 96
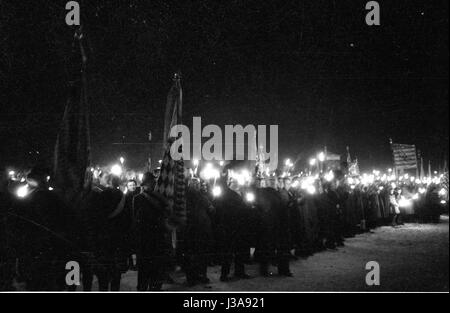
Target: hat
x: 148, y: 179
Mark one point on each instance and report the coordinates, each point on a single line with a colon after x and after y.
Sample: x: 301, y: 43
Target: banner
x: 171, y: 179
x: 404, y: 156
x: 72, y: 149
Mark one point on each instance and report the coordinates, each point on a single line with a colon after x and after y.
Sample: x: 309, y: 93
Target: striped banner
x: 171, y: 178
x: 404, y: 156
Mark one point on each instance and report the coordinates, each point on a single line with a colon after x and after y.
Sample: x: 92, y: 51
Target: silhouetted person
x: 153, y: 236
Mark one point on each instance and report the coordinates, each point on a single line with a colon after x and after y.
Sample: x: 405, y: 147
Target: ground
x: 414, y: 257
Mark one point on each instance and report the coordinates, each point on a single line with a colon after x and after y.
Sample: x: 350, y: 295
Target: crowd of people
x: 122, y: 225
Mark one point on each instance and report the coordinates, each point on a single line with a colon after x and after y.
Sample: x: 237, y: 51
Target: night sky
x: 312, y: 67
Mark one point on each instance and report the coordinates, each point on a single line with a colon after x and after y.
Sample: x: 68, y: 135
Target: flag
x: 404, y: 156
x: 72, y: 149
x: 349, y: 159
x: 174, y: 107
x: 444, y: 184
x: 171, y: 182
x: 353, y: 169
x: 332, y: 157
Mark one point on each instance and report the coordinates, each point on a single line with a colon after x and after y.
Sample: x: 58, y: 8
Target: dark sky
x: 312, y: 67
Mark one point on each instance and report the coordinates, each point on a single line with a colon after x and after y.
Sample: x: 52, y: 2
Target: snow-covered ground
x: 413, y: 257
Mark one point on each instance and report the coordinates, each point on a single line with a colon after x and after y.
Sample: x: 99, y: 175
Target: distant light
x: 48, y: 178
x: 329, y: 176
x: 404, y: 203
x: 221, y: 163
x: 311, y: 189
x: 217, y: 191
x: 367, y: 179
x: 288, y: 163
x: 312, y: 161
x: 422, y: 190
x: 160, y: 161
x: 443, y: 202
x: 50, y: 188
x: 390, y: 170
x: 209, y: 172
x: 11, y: 173
x: 246, y: 174
x: 23, y: 191
x: 442, y: 192
x: 140, y: 176
x: 321, y: 156
x: 122, y: 160
x: 250, y: 197
x: 116, y: 170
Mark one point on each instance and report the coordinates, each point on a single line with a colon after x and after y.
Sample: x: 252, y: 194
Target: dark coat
x: 153, y: 236
x: 108, y: 233
x: 43, y: 224
x: 231, y: 220
x: 198, y: 232
x: 6, y: 259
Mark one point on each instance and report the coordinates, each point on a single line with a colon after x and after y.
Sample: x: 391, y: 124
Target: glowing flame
x: 116, y: 170
x: 250, y: 197
x: 217, y: 191
x: 329, y: 176
x: 404, y: 203
x: 23, y: 191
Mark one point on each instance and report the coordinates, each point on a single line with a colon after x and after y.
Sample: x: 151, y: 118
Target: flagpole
x: 392, y: 151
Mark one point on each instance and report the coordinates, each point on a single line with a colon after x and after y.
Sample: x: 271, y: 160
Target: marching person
x: 40, y: 234
x: 198, y: 234
x: 231, y: 222
x: 284, y: 227
x: 6, y: 266
x: 128, y: 219
x: 110, y: 259
x: 395, y: 207
x: 153, y: 236
x: 330, y: 216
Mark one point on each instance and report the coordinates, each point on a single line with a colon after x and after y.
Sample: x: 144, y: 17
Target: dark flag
x: 171, y: 182
x: 72, y: 150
